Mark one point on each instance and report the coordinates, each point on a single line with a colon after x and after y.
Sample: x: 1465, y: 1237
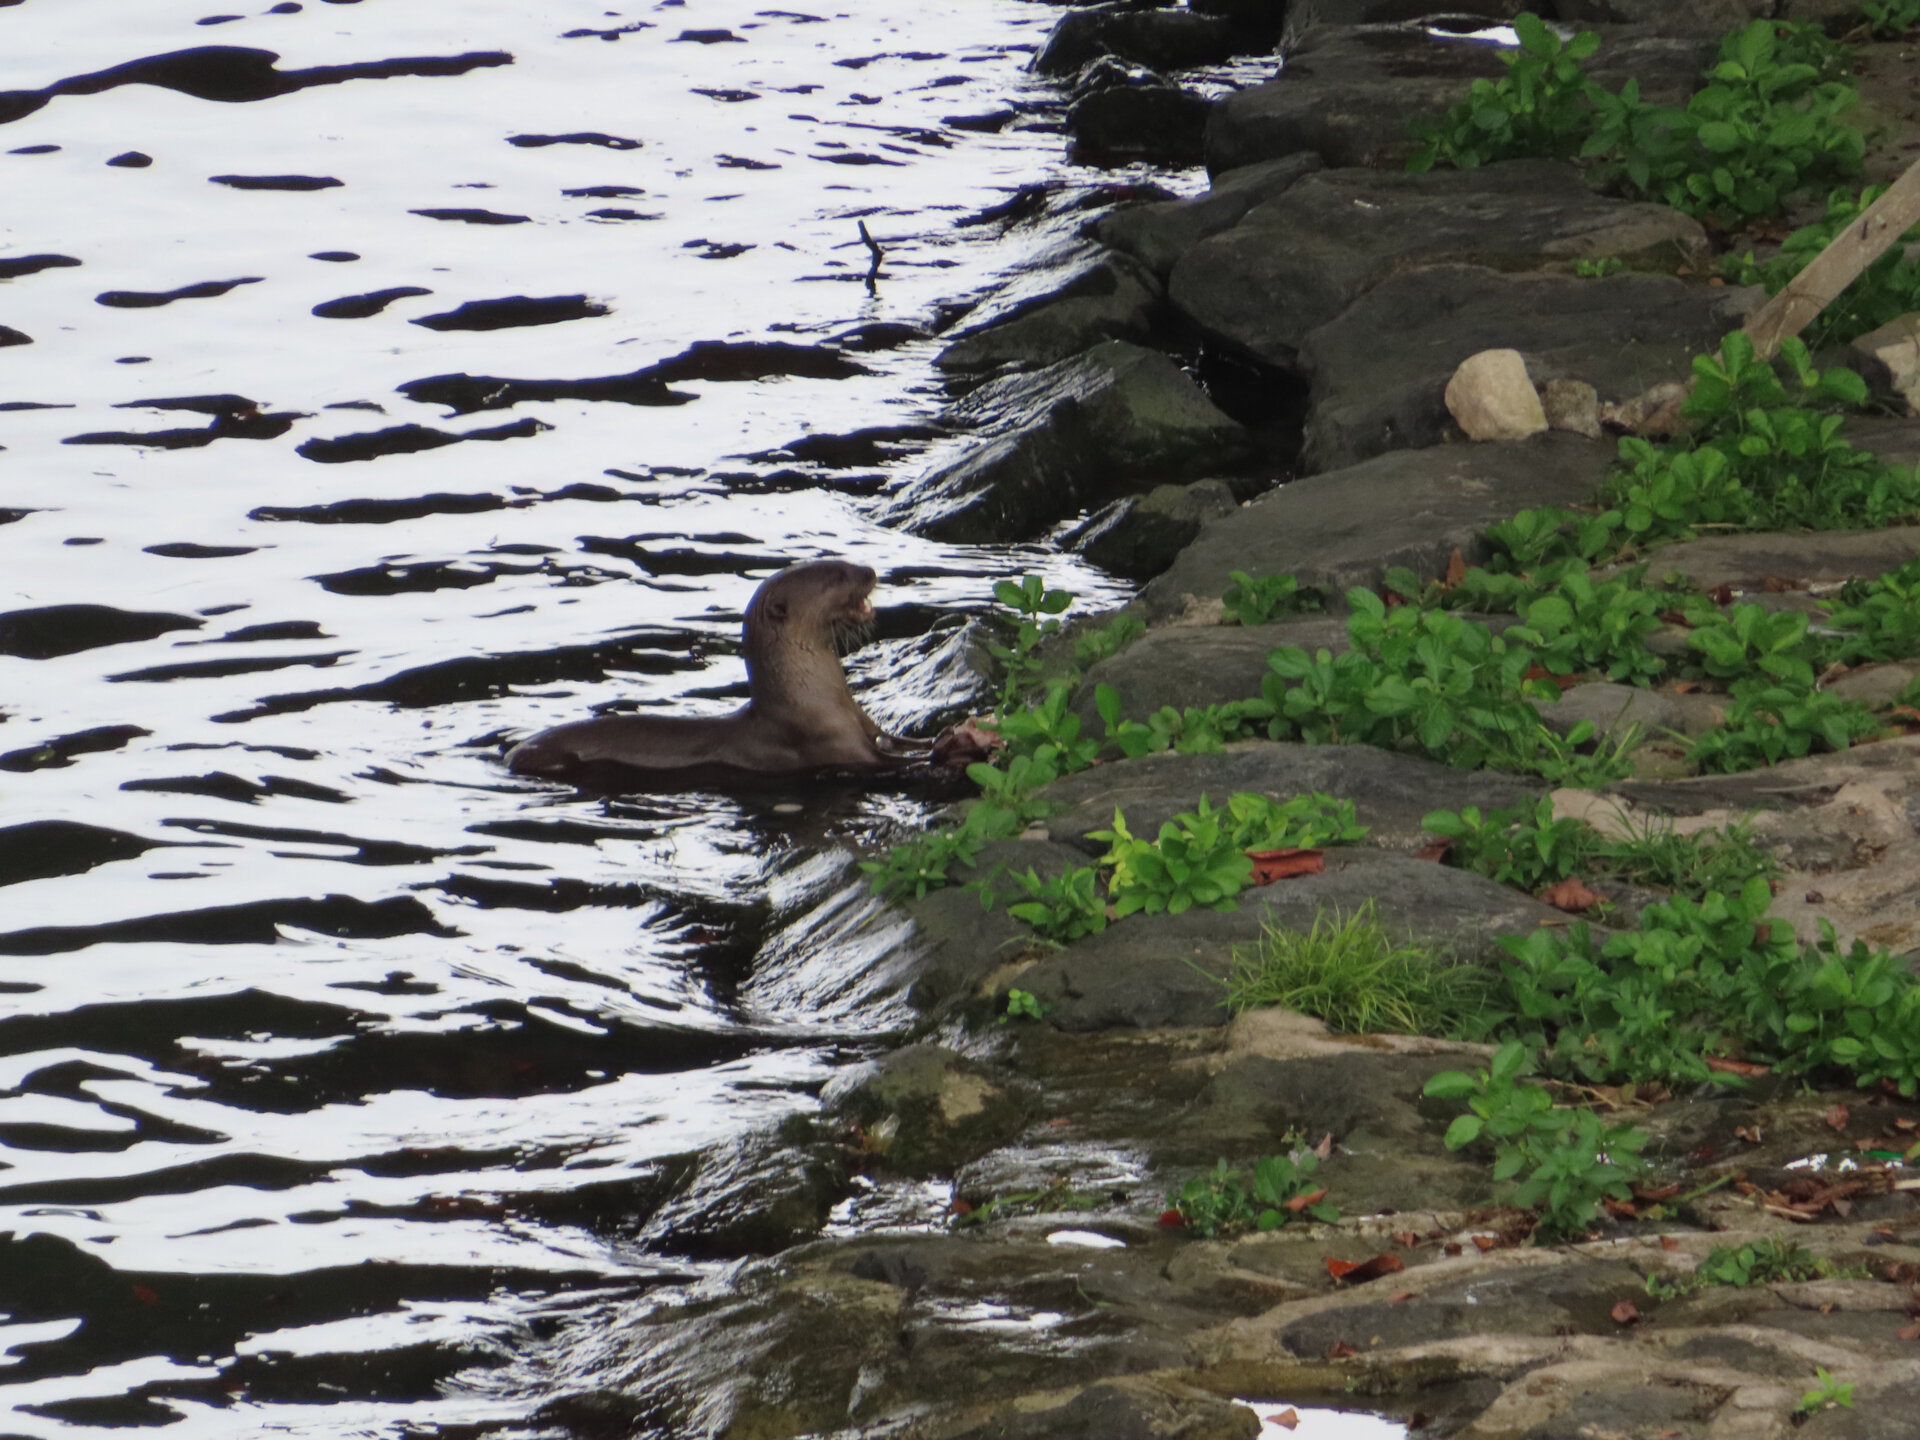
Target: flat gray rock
x: 1350, y: 94
x: 1159, y: 233
x: 1199, y: 665
x: 1152, y: 970
x: 1295, y: 262
x: 1409, y: 507
x: 1390, y: 792
x: 1747, y: 562
x: 1380, y: 369
x: 1113, y: 421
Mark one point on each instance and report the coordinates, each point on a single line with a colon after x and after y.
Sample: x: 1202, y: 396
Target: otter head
x: 806, y: 610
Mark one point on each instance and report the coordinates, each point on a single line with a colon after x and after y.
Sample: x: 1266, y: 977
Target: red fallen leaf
x: 1619, y: 1209
x: 1338, y: 1268
x: 1540, y: 672
x: 1780, y: 585
x: 1402, y: 1298
x: 1486, y: 1242
x: 1671, y: 617
x: 959, y: 1207
x: 1172, y: 1219
x: 1272, y: 865
x: 1341, y: 1350
x: 1625, y: 1313
x: 1453, y: 1249
x: 1734, y: 1067
x: 1685, y: 687
x: 1836, y: 1118
x: 1387, y: 1263
x: 145, y: 1295
x: 1301, y: 1202
x: 1667, y: 1242
x: 1571, y: 894
x: 1288, y: 1419
x: 1435, y: 852
x: 1653, y: 1196
x: 1456, y: 569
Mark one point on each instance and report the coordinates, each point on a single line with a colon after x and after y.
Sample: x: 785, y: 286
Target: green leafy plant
x: 1566, y: 1161
x: 1031, y: 617
x: 1711, y: 976
x: 1358, y: 978
x: 1305, y: 822
x: 1256, y: 600
x: 1193, y: 731
x: 1749, y: 641
x: 1523, y: 846
x: 1048, y: 725
x: 1769, y: 722
x: 1023, y: 1005
x: 1598, y: 269
x: 1891, y: 19
x: 1825, y: 1395
x: 1766, y: 125
x: 923, y: 865
x: 1577, y: 627
x: 1875, y: 620
x: 1539, y: 107
x: 1064, y: 908
x: 1195, y: 862
x: 1224, y: 1201
x: 1107, y: 641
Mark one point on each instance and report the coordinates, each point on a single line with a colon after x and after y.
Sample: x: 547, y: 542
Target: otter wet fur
x: 799, y: 716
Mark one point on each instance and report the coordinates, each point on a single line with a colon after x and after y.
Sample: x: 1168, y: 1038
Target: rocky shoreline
x: 969, y: 1239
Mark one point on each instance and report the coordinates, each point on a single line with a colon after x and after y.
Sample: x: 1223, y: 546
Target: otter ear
x: 777, y: 610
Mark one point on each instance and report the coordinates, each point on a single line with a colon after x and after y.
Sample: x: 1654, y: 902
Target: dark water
x: 403, y: 376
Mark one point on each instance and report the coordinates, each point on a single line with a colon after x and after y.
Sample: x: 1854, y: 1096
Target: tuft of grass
x: 1358, y: 978
x: 1690, y: 865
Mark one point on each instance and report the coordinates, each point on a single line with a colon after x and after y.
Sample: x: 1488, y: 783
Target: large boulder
x: 1159, y: 233
x: 1114, y: 421
x: 1381, y: 367
x: 1139, y: 536
x: 1170, y: 39
x: 1103, y: 297
x: 1350, y: 95
x: 1120, y: 124
x: 1296, y: 262
x: 1414, y: 508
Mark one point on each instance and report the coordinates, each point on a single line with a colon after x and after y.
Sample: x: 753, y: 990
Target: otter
x: 799, y: 716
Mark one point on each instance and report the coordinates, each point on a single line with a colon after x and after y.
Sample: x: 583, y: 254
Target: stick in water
x: 873, y: 247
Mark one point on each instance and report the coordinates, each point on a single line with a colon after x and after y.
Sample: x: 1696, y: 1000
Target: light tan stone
x: 1491, y: 398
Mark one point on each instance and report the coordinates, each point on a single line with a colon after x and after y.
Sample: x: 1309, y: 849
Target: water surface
x: 389, y: 379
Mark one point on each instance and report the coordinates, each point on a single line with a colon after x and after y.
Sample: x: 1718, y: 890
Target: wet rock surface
x: 1115, y: 419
